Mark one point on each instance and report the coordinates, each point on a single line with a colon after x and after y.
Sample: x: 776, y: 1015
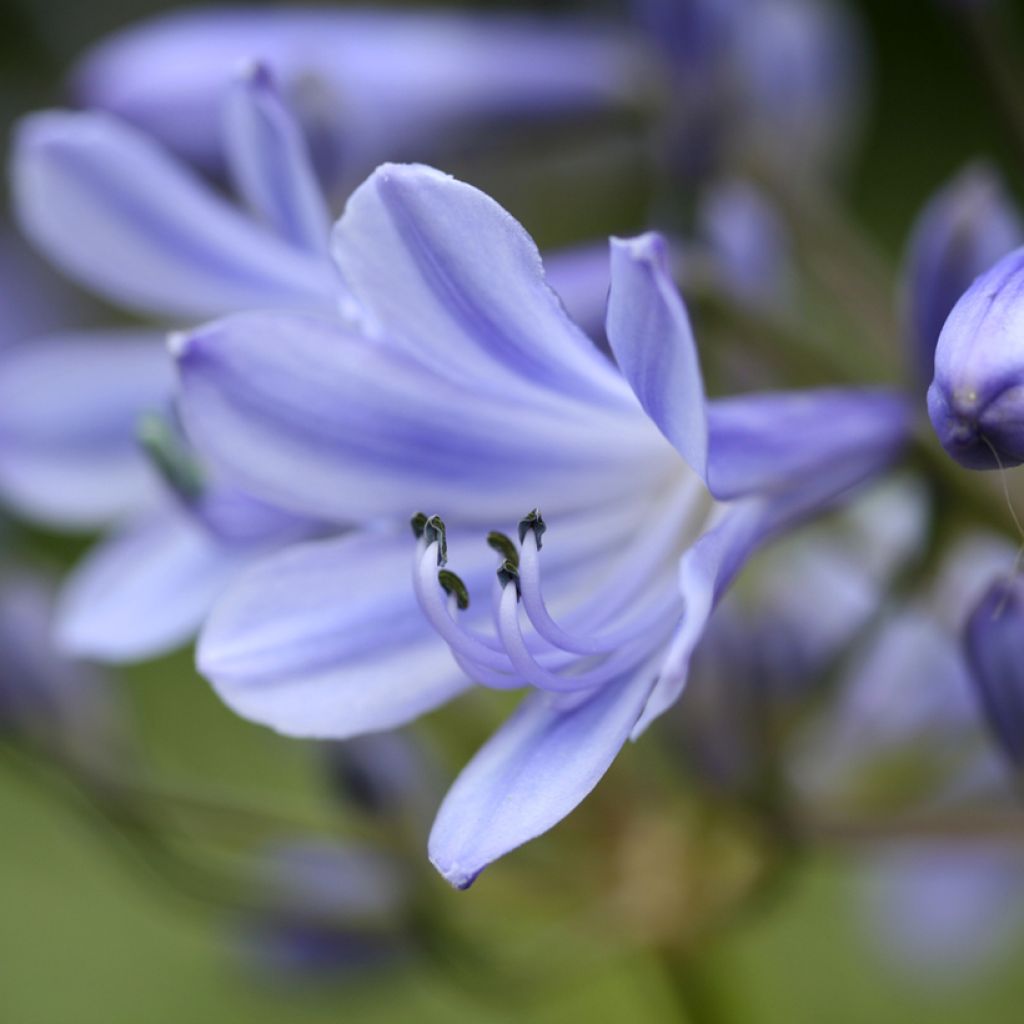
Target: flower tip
x: 650, y: 247
x: 454, y: 874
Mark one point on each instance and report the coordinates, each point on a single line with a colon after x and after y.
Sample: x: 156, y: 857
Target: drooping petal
x: 317, y: 419
x: 650, y: 334
x: 531, y: 774
x: 366, y: 85
x: 69, y: 408
x: 443, y: 270
x: 764, y: 442
x: 270, y: 161
x: 145, y: 591
x: 325, y: 639
x: 115, y: 212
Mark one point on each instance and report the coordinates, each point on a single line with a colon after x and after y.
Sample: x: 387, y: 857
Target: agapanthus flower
x: 367, y: 85
x: 108, y: 206
x: 964, y: 229
x: 976, y: 398
x: 467, y: 392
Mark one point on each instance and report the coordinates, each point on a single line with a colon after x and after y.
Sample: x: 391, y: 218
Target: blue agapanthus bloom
x: 466, y: 391
x: 113, y: 210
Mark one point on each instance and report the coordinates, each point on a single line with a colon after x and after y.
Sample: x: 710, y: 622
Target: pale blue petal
x: 270, y: 161
x: 531, y: 774
x: 116, y: 213
x: 649, y: 332
x: 367, y: 85
x: 317, y: 419
x: 145, y: 591
x: 764, y: 442
x: 444, y: 271
x: 69, y: 408
x: 325, y: 639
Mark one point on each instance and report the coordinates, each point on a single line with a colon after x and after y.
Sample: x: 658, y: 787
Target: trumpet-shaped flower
x: 469, y: 393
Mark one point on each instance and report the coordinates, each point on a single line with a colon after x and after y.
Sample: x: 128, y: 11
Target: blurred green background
x: 90, y: 934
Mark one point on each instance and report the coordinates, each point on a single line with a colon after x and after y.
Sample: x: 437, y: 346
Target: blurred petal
x: 649, y: 332
x: 367, y: 85
x: 120, y: 216
x: 319, y: 420
x: 535, y: 769
x: 325, y: 639
x: 69, y: 409
x: 763, y: 442
x: 963, y: 230
x: 145, y: 591
x: 270, y: 162
x: 443, y: 270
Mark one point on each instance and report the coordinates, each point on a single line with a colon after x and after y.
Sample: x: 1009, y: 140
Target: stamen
x: 535, y: 673
x: 532, y: 522
x: 508, y: 573
x: 454, y: 587
x: 418, y: 523
x: 434, y: 531
x: 504, y: 546
x: 597, y: 642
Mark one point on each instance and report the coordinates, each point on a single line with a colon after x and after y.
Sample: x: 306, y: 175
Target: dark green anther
x: 509, y: 573
x: 532, y: 521
x: 451, y: 584
x: 433, y: 530
x: 418, y: 522
x: 170, y: 455
x: 504, y: 546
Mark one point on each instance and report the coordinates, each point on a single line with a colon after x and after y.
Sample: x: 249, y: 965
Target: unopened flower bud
x: 995, y: 654
x: 976, y: 399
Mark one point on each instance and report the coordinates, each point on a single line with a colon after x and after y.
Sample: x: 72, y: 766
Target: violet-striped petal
x: 535, y: 769
x: 325, y: 639
x: 649, y: 333
x: 69, y: 407
x: 443, y: 270
x: 322, y: 421
x: 146, y: 590
x: 116, y: 213
x: 270, y: 162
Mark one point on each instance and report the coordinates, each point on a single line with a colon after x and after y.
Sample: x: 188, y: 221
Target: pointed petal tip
x: 180, y: 344
x: 457, y: 876
x: 650, y: 247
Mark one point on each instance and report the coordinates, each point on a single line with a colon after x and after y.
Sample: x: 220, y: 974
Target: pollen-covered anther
x: 532, y: 522
x: 453, y: 586
x: 434, y: 531
x: 503, y: 544
x: 508, y: 573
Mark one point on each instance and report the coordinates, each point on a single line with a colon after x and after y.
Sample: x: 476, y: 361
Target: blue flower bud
x: 995, y: 653
x: 963, y: 230
x: 976, y: 399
